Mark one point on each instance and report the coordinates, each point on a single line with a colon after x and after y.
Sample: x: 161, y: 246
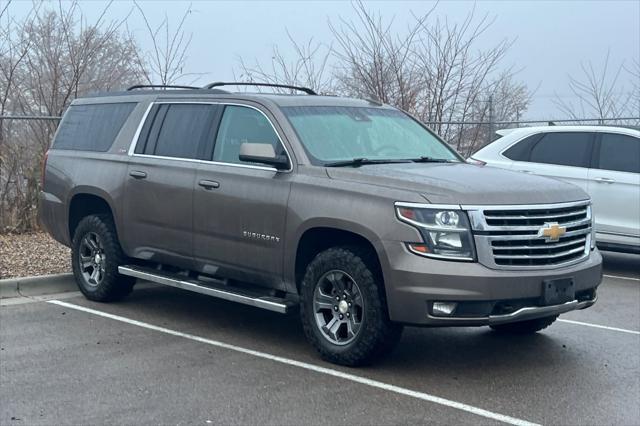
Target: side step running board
x: 214, y: 289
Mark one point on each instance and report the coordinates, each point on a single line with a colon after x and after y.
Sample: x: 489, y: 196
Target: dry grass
x: 29, y: 254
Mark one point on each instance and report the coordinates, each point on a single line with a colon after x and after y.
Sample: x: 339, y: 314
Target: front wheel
x: 343, y: 307
x: 96, y: 255
x: 525, y: 327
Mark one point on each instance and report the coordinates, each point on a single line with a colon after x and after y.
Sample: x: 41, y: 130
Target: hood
x: 461, y: 183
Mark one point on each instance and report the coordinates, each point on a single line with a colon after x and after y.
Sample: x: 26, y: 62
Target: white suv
x: 604, y: 161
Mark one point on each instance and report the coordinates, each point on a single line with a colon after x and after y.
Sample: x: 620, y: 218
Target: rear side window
x: 520, y: 151
x: 565, y: 149
x: 177, y: 130
x: 92, y: 127
x: 620, y: 153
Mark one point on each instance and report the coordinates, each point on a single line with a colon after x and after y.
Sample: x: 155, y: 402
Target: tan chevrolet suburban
x: 349, y: 211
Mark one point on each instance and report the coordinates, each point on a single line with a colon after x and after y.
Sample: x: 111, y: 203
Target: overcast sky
x: 551, y: 37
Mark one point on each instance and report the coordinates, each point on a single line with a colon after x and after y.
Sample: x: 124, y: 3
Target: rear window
x: 520, y: 151
x: 92, y: 127
x: 564, y: 149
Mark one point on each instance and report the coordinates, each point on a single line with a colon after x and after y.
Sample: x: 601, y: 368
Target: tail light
x: 44, y: 168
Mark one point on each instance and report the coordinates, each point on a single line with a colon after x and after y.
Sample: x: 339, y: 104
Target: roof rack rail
x: 282, y: 86
x: 159, y: 86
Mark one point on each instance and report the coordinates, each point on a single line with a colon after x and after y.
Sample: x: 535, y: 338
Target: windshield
x: 334, y: 133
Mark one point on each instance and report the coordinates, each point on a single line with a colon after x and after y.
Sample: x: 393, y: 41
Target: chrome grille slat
x: 544, y: 216
x: 507, y: 236
x: 539, y: 256
x: 536, y: 227
x: 541, y: 247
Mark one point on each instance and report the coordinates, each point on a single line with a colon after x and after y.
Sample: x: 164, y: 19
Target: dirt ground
x: 29, y: 254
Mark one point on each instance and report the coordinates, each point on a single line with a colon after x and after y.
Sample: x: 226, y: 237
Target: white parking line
x: 621, y: 277
x: 604, y: 327
x: 311, y: 367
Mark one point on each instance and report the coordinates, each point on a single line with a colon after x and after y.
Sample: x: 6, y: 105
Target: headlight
x: 593, y: 226
x: 446, y: 233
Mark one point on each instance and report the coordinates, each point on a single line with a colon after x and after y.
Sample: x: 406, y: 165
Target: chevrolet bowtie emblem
x: 552, y: 231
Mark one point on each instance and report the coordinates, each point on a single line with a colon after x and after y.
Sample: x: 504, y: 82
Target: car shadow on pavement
x: 624, y: 264
x: 472, y: 348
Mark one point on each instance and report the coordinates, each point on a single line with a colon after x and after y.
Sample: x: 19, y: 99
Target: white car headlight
x: 446, y: 233
x: 593, y: 226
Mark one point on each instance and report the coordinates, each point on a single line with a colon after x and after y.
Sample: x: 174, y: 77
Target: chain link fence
x: 25, y: 139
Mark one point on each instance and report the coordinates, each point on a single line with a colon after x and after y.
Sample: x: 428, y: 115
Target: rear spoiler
x: 504, y: 132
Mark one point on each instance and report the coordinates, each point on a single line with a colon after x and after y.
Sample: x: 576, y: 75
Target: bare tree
x: 55, y: 56
x: 13, y: 50
x: 598, y: 93
x: 503, y: 100
x: 373, y: 62
x: 435, y: 70
x: 634, y: 104
x: 164, y: 63
x: 309, y: 68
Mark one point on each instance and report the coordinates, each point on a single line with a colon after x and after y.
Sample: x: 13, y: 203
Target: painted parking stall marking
x: 603, y: 327
x: 311, y: 367
x: 620, y: 277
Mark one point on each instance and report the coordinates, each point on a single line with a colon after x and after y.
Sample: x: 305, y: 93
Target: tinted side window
x: 520, y: 151
x: 565, y: 149
x: 620, y: 153
x: 92, y: 127
x: 181, y: 131
x: 240, y: 125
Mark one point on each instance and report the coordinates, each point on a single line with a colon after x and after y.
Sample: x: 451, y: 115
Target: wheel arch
x: 319, y: 236
x: 85, y: 201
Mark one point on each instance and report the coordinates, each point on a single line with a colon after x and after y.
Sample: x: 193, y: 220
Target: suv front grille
x: 510, y: 234
x: 518, y: 218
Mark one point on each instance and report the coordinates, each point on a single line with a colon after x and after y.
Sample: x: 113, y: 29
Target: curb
x: 37, y: 285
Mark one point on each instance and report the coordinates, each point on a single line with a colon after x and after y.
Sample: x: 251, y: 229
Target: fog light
x: 444, y: 308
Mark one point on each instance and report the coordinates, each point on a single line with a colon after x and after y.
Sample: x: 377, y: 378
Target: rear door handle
x: 525, y: 171
x: 209, y: 184
x: 138, y: 174
x: 604, y: 180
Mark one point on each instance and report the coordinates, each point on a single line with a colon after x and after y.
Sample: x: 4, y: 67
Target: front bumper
x: 522, y: 314
x: 414, y: 282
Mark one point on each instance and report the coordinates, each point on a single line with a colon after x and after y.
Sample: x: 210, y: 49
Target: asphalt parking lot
x: 164, y: 356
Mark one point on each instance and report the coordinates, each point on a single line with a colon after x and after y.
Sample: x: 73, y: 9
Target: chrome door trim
x: 136, y: 136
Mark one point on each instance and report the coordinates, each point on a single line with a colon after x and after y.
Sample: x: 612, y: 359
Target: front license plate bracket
x: 558, y: 291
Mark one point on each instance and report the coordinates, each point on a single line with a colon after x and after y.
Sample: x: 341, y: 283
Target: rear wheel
x: 96, y: 255
x: 525, y: 327
x: 343, y: 308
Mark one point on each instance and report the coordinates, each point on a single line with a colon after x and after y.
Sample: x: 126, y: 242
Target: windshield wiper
x: 357, y: 162
x: 424, y: 159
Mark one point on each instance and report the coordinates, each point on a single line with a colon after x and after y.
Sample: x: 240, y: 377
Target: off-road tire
x: 377, y: 335
x: 113, y: 286
x: 525, y: 327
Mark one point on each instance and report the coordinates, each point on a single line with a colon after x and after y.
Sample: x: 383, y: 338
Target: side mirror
x: 263, y: 153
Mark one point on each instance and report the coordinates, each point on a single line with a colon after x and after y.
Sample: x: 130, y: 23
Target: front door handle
x: 209, y: 184
x: 604, y: 180
x: 138, y: 174
x: 526, y: 171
